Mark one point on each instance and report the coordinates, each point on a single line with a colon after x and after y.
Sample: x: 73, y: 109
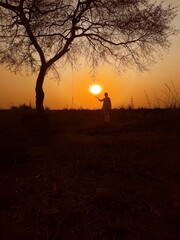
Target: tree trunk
x: 39, y: 91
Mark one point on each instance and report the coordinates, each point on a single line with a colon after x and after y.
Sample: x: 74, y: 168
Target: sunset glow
x: 77, y: 86
x: 95, y: 89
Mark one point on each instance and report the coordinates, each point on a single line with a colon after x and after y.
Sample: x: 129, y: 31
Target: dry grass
x: 71, y: 177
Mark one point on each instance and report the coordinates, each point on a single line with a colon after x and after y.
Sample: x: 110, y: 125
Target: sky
x: 148, y: 89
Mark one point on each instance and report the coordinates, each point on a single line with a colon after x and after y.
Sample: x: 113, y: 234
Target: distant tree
x: 37, y: 33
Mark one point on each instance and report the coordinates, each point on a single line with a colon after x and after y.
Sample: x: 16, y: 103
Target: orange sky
x: 72, y: 91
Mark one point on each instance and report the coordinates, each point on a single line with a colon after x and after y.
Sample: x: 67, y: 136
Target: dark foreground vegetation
x: 70, y: 177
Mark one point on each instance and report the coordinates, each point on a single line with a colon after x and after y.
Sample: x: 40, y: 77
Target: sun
x: 95, y: 89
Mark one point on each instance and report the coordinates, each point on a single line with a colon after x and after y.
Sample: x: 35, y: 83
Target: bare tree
x: 37, y: 33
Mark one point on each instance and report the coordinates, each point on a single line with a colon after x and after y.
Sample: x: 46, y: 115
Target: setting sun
x: 95, y: 89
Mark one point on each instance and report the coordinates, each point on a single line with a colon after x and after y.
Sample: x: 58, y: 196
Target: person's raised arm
x: 99, y: 99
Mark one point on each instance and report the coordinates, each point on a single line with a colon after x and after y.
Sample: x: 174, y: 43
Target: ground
x: 72, y: 177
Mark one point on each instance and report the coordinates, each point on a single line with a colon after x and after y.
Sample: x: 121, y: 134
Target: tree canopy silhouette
x: 37, y: 33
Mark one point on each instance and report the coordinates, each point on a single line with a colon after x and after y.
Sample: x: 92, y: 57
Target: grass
x: 73, y: 177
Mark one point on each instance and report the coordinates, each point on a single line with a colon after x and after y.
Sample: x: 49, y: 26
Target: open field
x: 71, y: 177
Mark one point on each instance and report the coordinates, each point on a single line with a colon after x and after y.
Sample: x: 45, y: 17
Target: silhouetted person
x: 106, y: 107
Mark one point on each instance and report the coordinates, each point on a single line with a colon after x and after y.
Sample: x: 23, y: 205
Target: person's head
x: 106, y: 94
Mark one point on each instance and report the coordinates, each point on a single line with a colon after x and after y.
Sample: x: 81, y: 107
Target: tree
x: 37, y: 33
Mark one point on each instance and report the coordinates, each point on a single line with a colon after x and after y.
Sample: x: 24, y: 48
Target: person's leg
x: 107, y: 117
